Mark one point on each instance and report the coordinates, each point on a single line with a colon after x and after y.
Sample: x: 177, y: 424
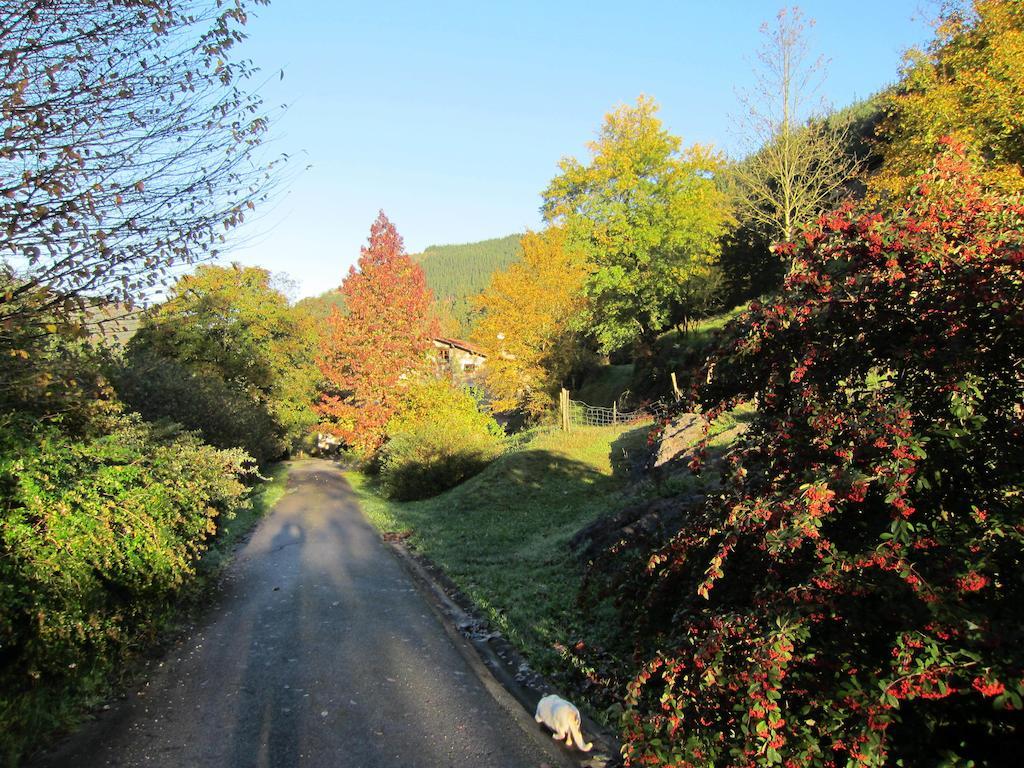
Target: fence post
x: 563, y: 403
x: 675, y: 386
x: 615, y: 413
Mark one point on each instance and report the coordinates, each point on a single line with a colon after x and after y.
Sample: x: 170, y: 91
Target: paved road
x: 320, y: 652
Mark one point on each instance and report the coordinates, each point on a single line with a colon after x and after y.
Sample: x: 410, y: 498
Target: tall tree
x: 797, y: 164
x: 369, y: 353
x: 969, y: 84
x: 227, y: 355
x: 128, y: 146
x: 531, y: 320
x: 647, y: 216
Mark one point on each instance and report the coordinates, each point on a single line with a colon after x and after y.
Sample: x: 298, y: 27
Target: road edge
x: 496, y: 662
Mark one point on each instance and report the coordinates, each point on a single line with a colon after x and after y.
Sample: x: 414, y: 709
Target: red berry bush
x: 853, y: 594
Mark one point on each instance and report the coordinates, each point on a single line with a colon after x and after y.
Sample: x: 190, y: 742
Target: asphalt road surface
x: 320, y: 652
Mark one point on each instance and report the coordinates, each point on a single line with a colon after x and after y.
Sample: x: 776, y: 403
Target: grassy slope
x: 608, y: 382
x: 502, y: 536
x: 700, y: 335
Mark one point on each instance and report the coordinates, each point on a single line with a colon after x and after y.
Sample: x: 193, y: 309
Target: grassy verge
x: 231, y: 532
x: 605, y: 385
x: 503, y: 535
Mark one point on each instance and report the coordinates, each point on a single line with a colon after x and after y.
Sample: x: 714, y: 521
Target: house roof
x: 464, y: 345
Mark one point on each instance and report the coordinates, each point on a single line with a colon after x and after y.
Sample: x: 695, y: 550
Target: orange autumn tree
x: 531, y: 318
x: 380, y: 343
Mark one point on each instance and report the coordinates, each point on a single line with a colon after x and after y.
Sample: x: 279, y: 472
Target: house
x: 462, y: 360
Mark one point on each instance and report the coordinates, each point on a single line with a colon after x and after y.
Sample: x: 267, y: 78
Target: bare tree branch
x: 128, y: 146
x: 797, y: 164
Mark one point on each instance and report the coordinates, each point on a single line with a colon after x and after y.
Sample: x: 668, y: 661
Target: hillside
x: 319, y: 307
x: 503, y: 535
x: 456, y: 272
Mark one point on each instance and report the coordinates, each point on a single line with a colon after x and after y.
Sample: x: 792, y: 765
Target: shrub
x: 164, y: 389
x: 98, y: 536
x: 853, y: 595
x: 439, y: 439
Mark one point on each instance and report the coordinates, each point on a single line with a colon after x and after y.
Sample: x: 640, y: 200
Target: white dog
x: 563, y: 718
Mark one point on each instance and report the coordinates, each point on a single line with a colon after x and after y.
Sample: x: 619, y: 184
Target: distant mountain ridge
x: 465, y: 269
x: 455, y: 273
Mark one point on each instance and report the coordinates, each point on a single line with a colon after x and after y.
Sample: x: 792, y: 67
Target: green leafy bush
x: 438, y: 440
x: 225, y: 355
x: 223, y: 412
x: 99, y: 533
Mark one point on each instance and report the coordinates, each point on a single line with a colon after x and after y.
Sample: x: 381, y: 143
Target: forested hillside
x: 456, y: 272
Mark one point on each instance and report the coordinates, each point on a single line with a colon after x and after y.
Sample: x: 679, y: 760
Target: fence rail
x: 579, y: 414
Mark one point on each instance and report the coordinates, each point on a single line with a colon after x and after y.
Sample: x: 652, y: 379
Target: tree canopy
x: 129, y: 146
x: 368, y: 354
x: 797, y: 166
x: 226, y: 354
x: 531, y: 319
x: 968, y: 84
x: 647, y: 215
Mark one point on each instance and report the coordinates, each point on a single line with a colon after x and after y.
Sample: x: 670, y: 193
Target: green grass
x: 503, y: 535
x: 232, y: 530
x: 699, y: 335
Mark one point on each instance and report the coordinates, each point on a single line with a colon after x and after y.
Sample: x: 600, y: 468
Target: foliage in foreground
x: 99, y: 533
x: 853, y: 596
x: 131, y: 145
x: 439, y: 439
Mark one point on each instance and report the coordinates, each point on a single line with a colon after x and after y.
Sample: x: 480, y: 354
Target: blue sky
x: 451, y: 117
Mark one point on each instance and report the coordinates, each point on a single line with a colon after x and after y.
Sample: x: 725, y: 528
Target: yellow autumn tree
x: 530, y: 320
x: 969, y: 84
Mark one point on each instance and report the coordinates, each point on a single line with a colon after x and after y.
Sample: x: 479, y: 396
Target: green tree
x: 647, y: 216
x: 437, y: 438
x: 226, y: 333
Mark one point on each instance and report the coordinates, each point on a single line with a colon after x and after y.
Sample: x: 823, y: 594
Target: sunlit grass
x: 503, y: 535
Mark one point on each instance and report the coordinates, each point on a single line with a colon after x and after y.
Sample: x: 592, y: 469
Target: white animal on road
x: 563, y: 718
